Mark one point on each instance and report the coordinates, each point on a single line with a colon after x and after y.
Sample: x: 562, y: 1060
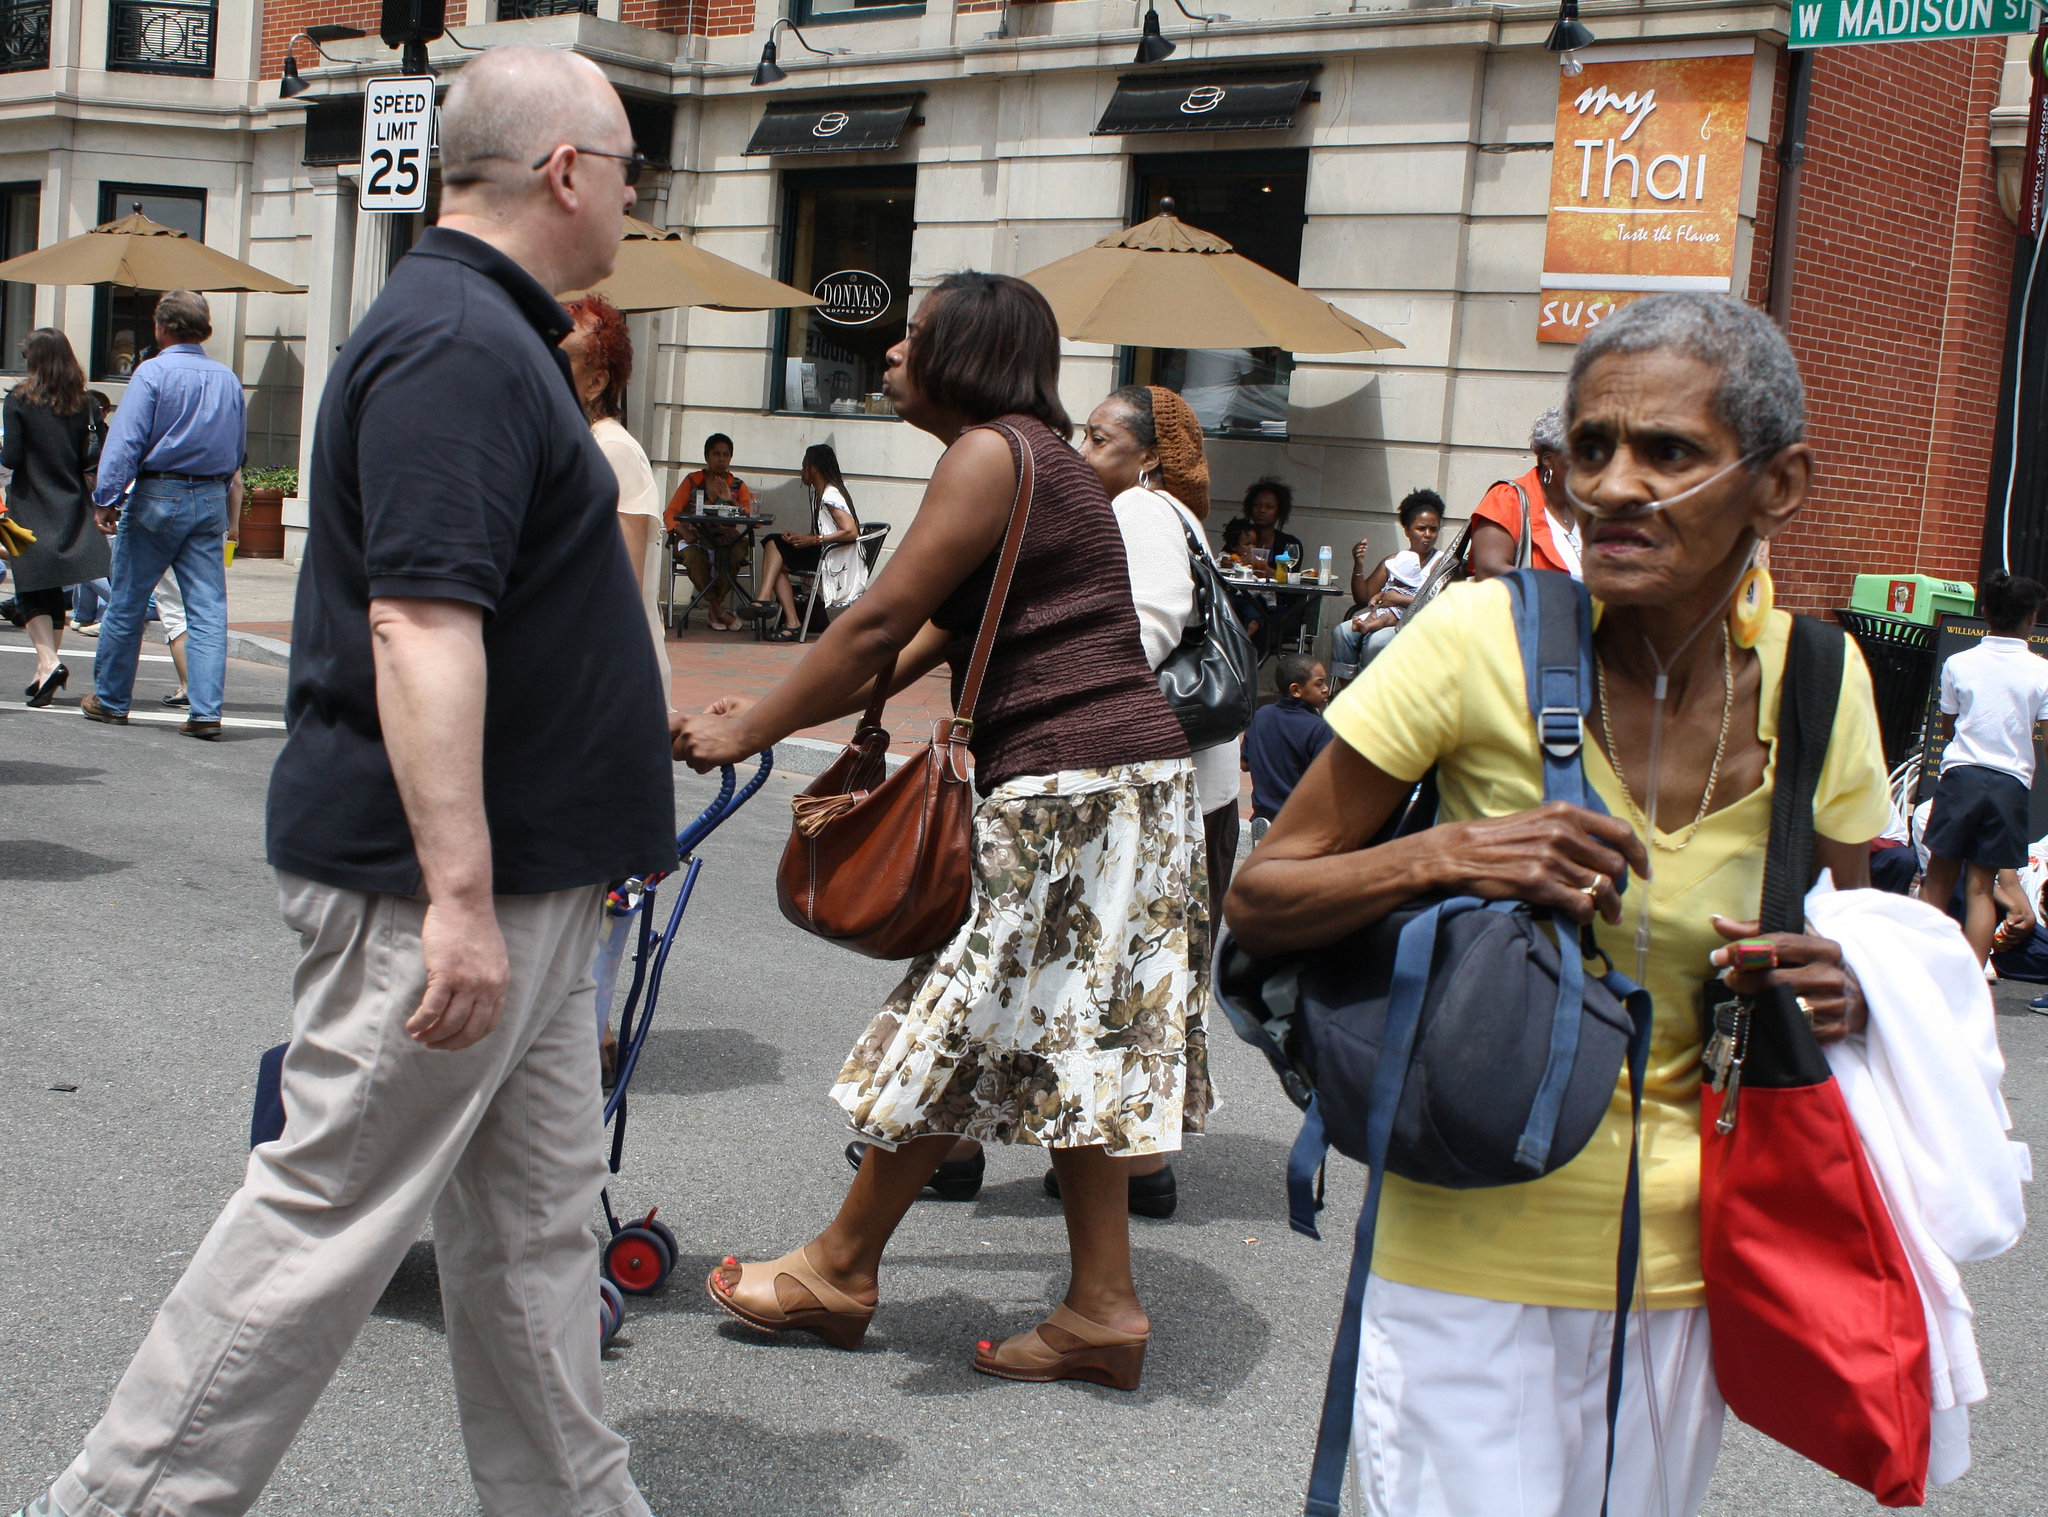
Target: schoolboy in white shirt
x: 1991, y: 697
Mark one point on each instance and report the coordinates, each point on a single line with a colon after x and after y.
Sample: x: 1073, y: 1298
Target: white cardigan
x: 1922, y: 1085
x: 1163, y: 590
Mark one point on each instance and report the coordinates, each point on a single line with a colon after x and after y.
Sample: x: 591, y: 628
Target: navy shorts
x: 1980, y: 817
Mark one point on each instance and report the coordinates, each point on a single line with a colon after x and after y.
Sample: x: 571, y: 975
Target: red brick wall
x: 1898, y: 314
x: 283, y: 18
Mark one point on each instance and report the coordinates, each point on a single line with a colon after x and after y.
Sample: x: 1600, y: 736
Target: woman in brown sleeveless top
x: 1066, y: 1011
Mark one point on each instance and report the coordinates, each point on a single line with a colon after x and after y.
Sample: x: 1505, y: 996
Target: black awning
x: 861, y: 124
x: 1206, y: 100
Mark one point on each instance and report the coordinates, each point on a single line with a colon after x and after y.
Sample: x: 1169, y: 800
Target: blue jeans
x: 1353, y: 649
x: 177, y: 525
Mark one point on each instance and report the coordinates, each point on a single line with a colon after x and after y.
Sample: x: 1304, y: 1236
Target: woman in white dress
x: 830, y: 550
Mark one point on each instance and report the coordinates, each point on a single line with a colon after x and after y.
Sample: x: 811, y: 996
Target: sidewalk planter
x: 262, y: 531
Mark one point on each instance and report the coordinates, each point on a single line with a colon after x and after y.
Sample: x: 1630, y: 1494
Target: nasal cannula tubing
x: 1660, y: 691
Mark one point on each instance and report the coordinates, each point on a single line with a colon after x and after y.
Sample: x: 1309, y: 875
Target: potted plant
x: 263, y: 493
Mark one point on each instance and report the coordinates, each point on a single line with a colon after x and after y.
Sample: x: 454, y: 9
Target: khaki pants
x: 500, y: 1143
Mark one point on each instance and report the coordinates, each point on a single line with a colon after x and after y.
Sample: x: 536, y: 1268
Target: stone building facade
x: 1407, y: 182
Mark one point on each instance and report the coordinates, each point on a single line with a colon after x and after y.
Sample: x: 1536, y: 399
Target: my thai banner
x: 1645, y: 180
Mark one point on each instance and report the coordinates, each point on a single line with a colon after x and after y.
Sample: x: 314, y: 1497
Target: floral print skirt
x: 1067, y: 1011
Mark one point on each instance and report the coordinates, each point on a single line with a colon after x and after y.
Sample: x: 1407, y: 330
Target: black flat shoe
x: 1154, y: 1195
x: 43, y: 694
x: 956, y: 1179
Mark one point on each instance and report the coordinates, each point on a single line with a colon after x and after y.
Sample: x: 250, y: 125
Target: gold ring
x: 1592, y: 892
x: 1805, y: 1007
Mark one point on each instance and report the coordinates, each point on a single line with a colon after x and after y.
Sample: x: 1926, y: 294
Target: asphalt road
x: 148, y: 969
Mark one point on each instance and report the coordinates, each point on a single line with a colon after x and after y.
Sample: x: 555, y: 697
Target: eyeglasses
x: 633, y: 161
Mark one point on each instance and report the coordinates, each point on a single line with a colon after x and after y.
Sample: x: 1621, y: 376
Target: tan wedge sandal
x: 839, y: 1319
x: 1104, y: 1355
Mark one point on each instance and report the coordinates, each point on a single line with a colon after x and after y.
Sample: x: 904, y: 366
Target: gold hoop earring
x: 1754, y: 597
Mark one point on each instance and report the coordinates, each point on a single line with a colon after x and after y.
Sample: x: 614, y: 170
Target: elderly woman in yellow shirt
x: 1483, y: 1363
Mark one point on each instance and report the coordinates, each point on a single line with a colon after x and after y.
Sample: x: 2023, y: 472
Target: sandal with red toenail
x: 1101, y: 1355
x: 839, y: 1319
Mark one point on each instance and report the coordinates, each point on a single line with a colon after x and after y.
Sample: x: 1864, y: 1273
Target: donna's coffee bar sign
x: 853, y: 297
x: 1646, y: 179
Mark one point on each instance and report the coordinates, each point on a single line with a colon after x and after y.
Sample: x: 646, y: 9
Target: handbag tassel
x: 814, y: 813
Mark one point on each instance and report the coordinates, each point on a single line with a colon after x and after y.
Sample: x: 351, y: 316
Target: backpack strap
x: 1554, y: 627
x: 1806, y: 722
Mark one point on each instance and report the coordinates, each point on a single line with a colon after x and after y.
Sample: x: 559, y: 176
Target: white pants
x: 1475, y: 1408
x: 500, y: 1142
x: 170, y: 610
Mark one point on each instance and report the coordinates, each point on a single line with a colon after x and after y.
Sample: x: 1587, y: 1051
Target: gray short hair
x: 1546, y: 433
x: 516, y: 103
x: 185, y: 315
x: 1759, y: 397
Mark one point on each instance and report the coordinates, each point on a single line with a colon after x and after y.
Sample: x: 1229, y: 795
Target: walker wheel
x: 611, y: 1312
x: 637, y: 1261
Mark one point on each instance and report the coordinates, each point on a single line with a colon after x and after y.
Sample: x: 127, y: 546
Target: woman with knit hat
x: 1145, y: 445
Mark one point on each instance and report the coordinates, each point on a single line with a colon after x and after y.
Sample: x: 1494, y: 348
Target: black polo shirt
x: 452, y: 462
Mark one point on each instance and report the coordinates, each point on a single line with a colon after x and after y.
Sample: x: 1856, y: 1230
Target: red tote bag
x: 1820, y: 1337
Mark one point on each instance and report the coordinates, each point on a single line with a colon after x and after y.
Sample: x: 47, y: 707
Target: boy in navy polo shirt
x: 1991, y: 697
x: 1285, y: 737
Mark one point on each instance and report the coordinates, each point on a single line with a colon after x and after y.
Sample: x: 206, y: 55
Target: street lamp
x: 295, y: 83
x: 1568, y: 36
x: 1152, y: 45
x: 768, y: 71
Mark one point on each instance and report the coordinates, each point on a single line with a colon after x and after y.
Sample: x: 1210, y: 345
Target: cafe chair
x: 872, y: 536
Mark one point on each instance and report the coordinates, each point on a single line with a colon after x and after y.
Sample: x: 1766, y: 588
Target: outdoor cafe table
x: 1312, y: 591
x: 718, y: 547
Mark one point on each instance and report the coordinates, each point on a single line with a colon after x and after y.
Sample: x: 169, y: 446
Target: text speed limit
x: 398, y: 133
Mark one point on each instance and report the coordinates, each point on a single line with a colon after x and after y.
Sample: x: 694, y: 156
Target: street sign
x: 1828, y: 23
x: 398, y: 133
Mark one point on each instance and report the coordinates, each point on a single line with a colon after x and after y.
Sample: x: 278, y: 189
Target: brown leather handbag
x: 884, y: 863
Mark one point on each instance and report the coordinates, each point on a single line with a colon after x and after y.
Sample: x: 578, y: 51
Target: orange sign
x: 1645, y: 179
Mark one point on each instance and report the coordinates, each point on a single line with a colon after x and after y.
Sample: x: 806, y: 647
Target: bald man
x: 468, y: 764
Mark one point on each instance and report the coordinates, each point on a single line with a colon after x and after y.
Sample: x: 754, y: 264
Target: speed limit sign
x: 398, y: 133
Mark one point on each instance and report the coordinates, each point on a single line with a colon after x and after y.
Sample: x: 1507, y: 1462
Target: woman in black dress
x: 51, y: 440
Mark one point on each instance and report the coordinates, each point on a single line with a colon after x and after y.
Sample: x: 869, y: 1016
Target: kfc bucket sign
x: 1645, y: 179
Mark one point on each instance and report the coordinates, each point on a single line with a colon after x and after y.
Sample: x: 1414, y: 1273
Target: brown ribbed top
x: 1067, y: 684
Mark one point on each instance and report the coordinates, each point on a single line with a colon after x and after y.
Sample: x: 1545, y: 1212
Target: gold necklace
x: 1720, y: 748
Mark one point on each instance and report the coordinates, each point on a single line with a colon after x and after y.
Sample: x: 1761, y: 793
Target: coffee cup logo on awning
x: 1202, y: 99
x: 1646, y: 179
x: 853, y: 297
x: 831, y: 124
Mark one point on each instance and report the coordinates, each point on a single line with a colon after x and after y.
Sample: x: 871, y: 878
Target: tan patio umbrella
x: 144, y: 254
x: 1164, y: 284
x: 658, y: 271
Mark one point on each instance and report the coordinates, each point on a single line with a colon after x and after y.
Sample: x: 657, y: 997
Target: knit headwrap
x: 1181, y: 460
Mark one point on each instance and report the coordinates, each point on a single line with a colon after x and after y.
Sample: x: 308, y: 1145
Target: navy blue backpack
x: 1456, y: 1042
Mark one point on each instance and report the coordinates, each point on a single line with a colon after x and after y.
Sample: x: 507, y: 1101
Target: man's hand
x: 467, y: 973
x: 106, y: 518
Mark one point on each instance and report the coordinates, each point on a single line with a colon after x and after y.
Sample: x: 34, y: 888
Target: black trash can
x: 1901, y: 659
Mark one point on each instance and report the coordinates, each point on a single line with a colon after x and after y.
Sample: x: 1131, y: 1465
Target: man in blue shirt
x: 177, y: 437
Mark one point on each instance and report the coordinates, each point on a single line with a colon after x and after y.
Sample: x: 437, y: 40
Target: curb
x: 810, y: 755
x: 253, y: 648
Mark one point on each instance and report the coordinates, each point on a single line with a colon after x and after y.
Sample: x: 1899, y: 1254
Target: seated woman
x: 1483, y: 1362
x: 1384, y: 595
x: 1256, y: 539
x: 831, y: 545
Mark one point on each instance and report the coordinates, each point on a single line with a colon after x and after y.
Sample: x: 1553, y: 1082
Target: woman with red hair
x: 600, y: 353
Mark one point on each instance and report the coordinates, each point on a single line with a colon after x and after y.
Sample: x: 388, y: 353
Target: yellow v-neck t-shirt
x: 1448, y: 692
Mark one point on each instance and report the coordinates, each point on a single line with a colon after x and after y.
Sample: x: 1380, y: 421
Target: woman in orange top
x: 1497, y: 524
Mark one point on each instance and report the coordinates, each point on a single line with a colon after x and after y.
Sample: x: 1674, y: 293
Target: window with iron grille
x: 24, y: 35
x: 533, y: 10
x: 161, y: 37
